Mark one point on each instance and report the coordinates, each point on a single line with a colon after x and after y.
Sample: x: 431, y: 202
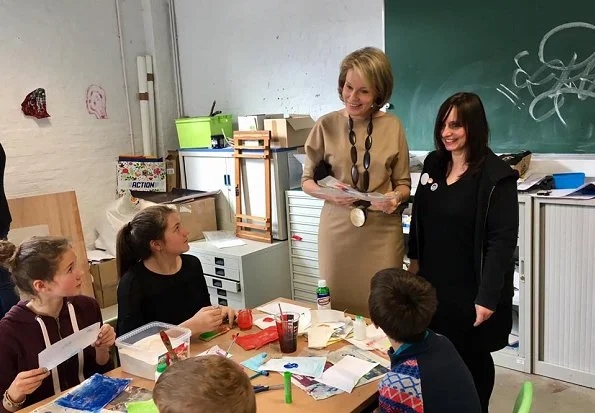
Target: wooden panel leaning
x: 253, y: 145
x: 59, y: 215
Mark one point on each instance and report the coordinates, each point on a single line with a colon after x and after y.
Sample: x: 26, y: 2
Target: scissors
x: 259, y: 389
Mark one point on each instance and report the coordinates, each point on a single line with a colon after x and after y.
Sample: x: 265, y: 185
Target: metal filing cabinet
x: 245, y: 276
x: 303, y: 218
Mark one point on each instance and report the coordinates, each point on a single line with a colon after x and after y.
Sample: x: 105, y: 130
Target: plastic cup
x: 287, y: 328
x: 244, y: 319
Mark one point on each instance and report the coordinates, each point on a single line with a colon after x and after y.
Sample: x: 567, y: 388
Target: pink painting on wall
x: 96, y: 101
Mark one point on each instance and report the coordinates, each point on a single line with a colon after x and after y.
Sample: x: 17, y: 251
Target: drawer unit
x: 303, y: 217
x: 245, y: 276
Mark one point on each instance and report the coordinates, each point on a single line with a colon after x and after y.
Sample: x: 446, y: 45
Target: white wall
x: 64, y: 46
x: 269, y: 55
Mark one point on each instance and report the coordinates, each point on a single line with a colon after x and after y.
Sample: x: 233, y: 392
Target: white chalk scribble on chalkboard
x: 557, y: 78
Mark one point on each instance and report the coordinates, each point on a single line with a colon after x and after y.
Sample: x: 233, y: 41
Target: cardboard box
x: 172, y: 167
x: 290, y: 132
x: 196, y: 208
x: 106, y: 297
x: 105, y: 282
x: 255, y: 122
x: 198, y: 216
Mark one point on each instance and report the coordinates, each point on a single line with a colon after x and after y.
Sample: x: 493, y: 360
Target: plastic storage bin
x: 568, y: 180
x: 197, y: 132
x: 141, y: 349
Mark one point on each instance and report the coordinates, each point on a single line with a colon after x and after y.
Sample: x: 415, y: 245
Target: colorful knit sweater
x: 427, y: 377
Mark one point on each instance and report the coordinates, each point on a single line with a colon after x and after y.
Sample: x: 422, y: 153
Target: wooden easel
x: 262, y: 230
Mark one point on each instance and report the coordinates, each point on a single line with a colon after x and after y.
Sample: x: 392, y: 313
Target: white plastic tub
x: 141, y: 349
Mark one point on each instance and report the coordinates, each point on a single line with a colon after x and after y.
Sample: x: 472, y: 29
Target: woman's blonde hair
x: 373, y: 65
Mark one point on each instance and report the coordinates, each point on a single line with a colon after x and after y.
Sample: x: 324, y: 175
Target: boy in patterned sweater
x: 427, y: 374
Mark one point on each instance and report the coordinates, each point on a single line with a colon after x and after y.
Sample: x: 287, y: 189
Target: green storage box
x: 197, y: 132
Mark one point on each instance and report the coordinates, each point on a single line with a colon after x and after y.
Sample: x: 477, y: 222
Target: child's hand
x: 106, y: 337
x: 207, y: 319
x: 26, y: 382
x: 230, y: 314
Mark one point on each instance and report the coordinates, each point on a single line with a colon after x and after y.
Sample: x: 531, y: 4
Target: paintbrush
x: 235, y: 336
x: 170, y: 351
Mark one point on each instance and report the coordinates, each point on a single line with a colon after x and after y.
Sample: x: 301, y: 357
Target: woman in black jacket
x: 463, y: 236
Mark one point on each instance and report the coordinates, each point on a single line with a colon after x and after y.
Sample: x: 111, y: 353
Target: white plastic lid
x: 321, y: 283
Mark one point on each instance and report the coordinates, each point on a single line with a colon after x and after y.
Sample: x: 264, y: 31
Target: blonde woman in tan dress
x: 364, y: 148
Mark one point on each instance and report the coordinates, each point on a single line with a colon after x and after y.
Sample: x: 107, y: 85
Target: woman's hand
x: 206, y: 319
x: 311, y: 188
x: 25, y: 383
x: 482, y: 314
x: 413, y: 266
x: 388, y: 205
x: 106, y: 337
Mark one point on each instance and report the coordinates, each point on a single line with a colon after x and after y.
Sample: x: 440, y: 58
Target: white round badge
x: 424, y: 178
x: 434, y: 186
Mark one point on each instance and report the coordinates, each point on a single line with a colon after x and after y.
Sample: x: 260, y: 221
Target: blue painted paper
x: 94, y: 393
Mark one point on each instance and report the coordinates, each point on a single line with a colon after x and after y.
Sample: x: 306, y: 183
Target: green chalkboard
x: 543, y: 102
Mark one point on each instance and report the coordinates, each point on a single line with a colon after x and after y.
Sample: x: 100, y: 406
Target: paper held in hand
x: 333, y: 187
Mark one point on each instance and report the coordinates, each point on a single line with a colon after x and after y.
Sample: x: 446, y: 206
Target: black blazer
x: 495, y: 240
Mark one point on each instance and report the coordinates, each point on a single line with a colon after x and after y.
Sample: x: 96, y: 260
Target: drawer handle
x: 296, y: 237
x: 217, y: 283
x: 219, y: 261
x: 220, y: 271
x: 222, y: 293
x: 221, y: 301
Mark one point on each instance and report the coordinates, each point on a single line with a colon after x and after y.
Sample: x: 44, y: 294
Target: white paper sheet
x: 216, y: 350
x: 346, y: 373
x: 68, y: 347
x: 318, y: 336
x: 304, y: 366
x: 98, y: 255
x: 265, y: 322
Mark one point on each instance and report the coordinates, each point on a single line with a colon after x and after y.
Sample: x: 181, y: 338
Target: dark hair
x: 35, y: 259
x: 401, y: 304
x: 206, y: 383
x: 471, y: 114
x: 133, y: 243
x: 373, y: 65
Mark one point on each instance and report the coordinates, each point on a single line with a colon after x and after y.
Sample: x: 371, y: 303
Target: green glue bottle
x: 160, y: 369
x: 323, y: 296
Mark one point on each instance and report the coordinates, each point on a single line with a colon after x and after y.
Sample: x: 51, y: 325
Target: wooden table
x: 273, y: 400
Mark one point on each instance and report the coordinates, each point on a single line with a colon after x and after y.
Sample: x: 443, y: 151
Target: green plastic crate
x: 197, y: 132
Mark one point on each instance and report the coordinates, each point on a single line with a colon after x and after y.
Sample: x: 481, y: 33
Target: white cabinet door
x: 211, y: 174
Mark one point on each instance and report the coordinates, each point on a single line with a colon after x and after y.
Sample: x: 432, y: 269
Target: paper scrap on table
x: 327, y: 316
x: 305, y: 316
x: 64, y: 349
x: 265, y: 322
x: 376, y: 339
x: 215, y: 350
x: 319, y: 335
x: 305, y: 366
x: 346, y: 373
x: 255, y: 362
